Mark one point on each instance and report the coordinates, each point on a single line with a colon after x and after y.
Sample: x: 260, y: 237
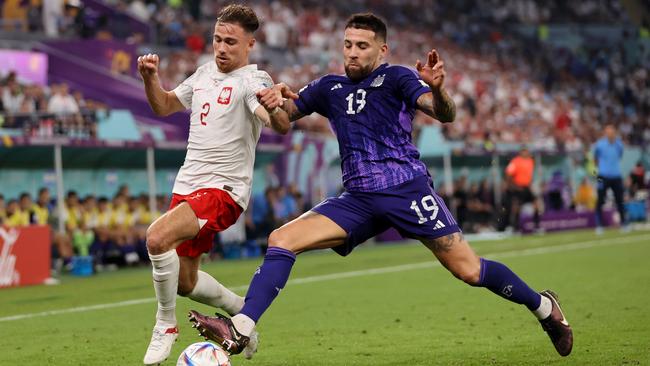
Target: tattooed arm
x: 438, y: 104
x: 290, y: 107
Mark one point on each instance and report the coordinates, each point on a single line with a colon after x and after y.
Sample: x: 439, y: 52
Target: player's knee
x: 280, y: 239
x: 155, y: 241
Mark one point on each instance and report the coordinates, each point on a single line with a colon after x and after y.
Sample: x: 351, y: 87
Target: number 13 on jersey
x: 360, y: 101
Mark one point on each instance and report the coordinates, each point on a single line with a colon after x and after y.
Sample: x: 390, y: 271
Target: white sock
x: 165, y: 282
x: 243, y: 324
x: 210, y: 292
x: 544, y: 309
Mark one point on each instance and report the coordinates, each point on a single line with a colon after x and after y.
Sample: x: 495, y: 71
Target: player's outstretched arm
x: 277, y: 119
x: 274, y: 112
x: 437, y: 104
x: 162, y: 102
x: 280, y: 96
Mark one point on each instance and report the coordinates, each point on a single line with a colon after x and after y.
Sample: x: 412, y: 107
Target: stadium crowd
x: 510, y: 89
x: 46, y: 111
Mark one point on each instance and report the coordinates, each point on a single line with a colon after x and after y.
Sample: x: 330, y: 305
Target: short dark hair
x: 239, y: 14
x: 368, y: 21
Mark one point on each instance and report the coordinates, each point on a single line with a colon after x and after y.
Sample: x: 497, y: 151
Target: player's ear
x: 383, y: 50
x: 251, y: 42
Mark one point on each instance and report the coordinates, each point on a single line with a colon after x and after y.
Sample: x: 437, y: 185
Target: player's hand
x: 433, y: 73
x: 148, y: 65
x: 273, y: 97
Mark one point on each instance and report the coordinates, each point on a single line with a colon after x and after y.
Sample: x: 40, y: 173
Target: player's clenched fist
x: 273, y: 97
x: 148, y: 65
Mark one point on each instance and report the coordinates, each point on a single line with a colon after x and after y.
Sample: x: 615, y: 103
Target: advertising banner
x: 24, y: 255
x: 30, y: 67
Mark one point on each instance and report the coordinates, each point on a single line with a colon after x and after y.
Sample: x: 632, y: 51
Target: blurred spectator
x: 637, y: 178
x: 480, y: 207
x: 26, y: 203
x: 82, y: 239
x: 52, y: 16
x: 73, y: 211
x: 61, y: 102
x: 585, y: 198
x: 276, y: 31
x: 557, y: 195
x: 41, y: 209
x: 519, y: 174
x: 195, y: 40
x: 12, y: 97
x: 262, y: 216
x: 608, y: 152
x: 15, y: 216
x: 2, y: 105
x: 233, y: 237
x: 3, y: 210
x: 139, y: 9
x: 460, y: 201
x: 14, y: 15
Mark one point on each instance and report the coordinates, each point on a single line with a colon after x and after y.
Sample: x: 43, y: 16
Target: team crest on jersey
x: 378, y: 81
x: 224, y: 96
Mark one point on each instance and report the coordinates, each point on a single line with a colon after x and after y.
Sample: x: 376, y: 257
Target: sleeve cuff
x: 300, y: 104
x: 417, y: 94
x: 180, y: 99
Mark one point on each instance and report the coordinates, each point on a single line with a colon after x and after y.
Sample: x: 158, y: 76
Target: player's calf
x: 457, y: 256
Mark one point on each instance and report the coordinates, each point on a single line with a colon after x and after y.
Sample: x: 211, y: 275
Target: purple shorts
x: 413, y: 208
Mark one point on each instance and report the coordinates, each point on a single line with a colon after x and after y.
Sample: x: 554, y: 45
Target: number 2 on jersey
x: 205, y: 114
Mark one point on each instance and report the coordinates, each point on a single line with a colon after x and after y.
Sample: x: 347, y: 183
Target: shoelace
x: 157, y: 340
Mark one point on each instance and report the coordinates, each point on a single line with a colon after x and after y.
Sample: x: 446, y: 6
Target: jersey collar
x: 218, y: 75
x: 371, y: 75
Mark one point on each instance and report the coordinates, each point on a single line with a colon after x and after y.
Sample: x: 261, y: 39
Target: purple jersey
x: 372, y: 120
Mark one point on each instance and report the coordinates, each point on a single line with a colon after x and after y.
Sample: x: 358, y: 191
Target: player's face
x: 362, y: 52
x: 231, y: 44
x: 610, y: 132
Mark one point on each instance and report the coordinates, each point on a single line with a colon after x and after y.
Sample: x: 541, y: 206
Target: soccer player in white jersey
x: 213, y: 186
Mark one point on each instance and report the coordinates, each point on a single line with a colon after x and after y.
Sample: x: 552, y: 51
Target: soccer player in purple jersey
x: 386, y: 185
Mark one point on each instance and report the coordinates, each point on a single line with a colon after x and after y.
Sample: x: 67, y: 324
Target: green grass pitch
x: 382, y: 305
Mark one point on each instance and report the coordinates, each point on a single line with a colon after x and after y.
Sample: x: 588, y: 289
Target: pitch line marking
x: 365, y: 272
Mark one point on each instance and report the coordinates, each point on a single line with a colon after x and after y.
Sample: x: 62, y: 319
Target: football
x: 203, y: 354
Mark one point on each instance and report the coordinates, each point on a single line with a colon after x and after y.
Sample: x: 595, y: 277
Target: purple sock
x: 499, y: 279
x: 267, y: 281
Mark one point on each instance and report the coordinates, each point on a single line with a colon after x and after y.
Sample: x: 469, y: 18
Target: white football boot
x: 162, y: 340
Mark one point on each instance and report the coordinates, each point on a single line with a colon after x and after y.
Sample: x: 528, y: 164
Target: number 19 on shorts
x: 430, y: 206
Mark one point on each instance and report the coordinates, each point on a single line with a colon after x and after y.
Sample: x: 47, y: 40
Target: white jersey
x: 224, y: 130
